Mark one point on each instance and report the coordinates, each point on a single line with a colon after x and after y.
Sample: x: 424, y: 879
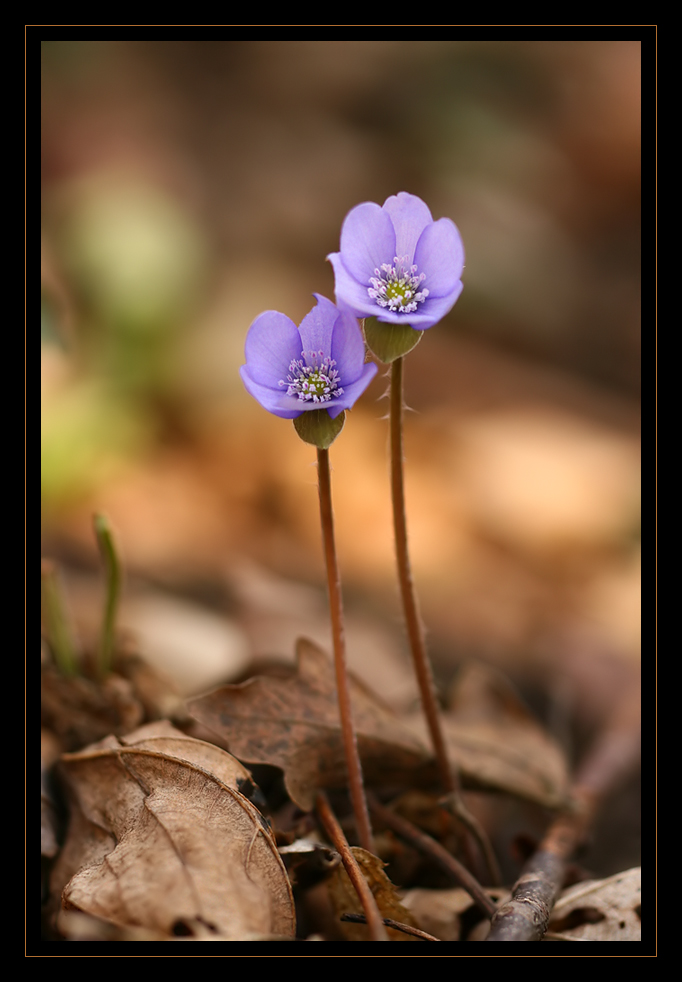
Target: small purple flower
x: 397, y: 264
x: 319, y: 365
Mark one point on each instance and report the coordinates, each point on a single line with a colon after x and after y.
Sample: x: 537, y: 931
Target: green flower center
x: 397, y: 286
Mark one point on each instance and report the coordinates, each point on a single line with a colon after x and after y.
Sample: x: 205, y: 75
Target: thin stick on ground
x: 415, y: 631
x: 615, y: 753
x: 396, y: 925
x: 355, y: 781
x: 335, y: 833
x: 460, y: 874
x: 454, y: 802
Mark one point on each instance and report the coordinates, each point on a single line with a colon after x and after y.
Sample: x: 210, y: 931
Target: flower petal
x: 348, y: 347
x: 271, y: 344
x: 317, y: 326
x: 410, y: 216
x: 352, y: 392
x: 276, y: 402
x: 349, y: 292
x: 440, y: 254
x: 367, y: 240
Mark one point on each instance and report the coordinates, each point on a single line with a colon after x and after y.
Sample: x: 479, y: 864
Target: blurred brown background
x: 188, y: 185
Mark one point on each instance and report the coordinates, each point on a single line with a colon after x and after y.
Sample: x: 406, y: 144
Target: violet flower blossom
x: 397, y: 264
x: 320, y: 365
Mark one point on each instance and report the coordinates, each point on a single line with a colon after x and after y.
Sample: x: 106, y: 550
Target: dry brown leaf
x: 496, y: 742
x: 74, y: 925
x: 345, y: 900
x: 161, y: 839
x: 439, y: 912
x: 601, y: 910
x: 294, y: 724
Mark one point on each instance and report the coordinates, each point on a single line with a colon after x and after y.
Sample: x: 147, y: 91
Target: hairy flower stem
x: 355, y: 782
x: 413, y: 622
x: 336, y: 836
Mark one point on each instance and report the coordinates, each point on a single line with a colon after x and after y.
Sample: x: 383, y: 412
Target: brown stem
x: 355, y: 782
x: 413, y: 622
x: 335, y: 833
x: 423, y: 842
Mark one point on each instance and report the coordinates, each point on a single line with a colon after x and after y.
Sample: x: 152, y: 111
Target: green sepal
x: 390, y: 341
x: 317, y: 427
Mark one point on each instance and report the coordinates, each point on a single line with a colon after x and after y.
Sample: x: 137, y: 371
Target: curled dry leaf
x: 294, y: 724
x: 345, y: 900
x: 161, y: 838
x: 496, y: 742
x: 601, y: 910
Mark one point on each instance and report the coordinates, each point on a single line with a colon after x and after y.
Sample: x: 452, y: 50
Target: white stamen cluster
x: 313, y: 378
x: 397, y: 286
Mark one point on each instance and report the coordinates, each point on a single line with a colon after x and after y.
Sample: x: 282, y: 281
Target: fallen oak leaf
x: 161, y: 839
x: 523, y: 762
x: 497, y: 744
x: 293, y: 723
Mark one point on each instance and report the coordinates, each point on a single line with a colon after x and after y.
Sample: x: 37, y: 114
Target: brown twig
x: 415, y: 631
x: 335, y: 833
x: 423, y: 842
x: 396, y: 925
x: 355, y: 781
x: 456, y: 806
x: 616, y: 751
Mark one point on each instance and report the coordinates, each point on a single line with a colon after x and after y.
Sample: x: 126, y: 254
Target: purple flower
x: 397, y: 264
x: 319, y: 365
